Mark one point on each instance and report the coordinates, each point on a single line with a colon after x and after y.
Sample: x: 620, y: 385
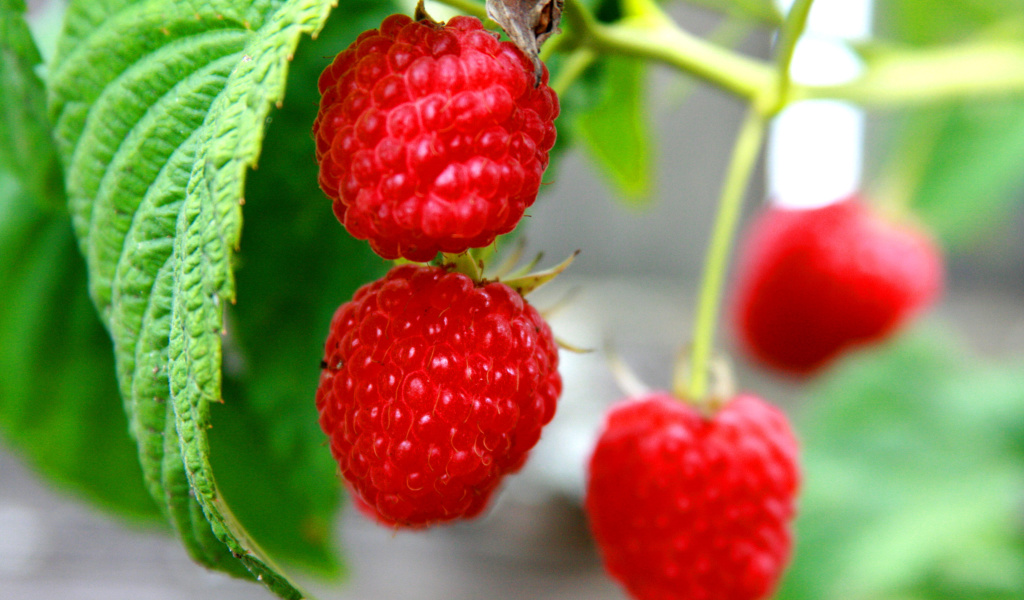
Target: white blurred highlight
x: 814, y: 153
x: 815, y: 146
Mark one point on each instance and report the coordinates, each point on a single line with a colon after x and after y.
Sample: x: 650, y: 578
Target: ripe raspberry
x: 814, y: 283
x: 433, y: 389
x: 432, y: 137
x: 688, y: 508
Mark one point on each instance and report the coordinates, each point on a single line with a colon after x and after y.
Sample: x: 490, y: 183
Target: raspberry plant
x: 128, y: 154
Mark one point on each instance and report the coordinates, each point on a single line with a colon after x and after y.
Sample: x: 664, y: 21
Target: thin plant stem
x: 575, y: 64
x: 741, y: 166
x: 657, y: 37
x: 913, y: 77
x: 789, y: 35
x: 744, y: 159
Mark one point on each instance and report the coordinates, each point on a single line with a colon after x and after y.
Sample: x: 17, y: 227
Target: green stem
x: 575, y: 64
x: 789, y: 35
x: 741, y: 166
x: 553, y: 45
x: 744, y: 159
x: 969, y: 71
x: 657, y: 37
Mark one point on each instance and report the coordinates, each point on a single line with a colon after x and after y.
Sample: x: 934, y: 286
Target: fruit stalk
x: 796, y: 22
x: 744, y: 158
x: 576, y: 63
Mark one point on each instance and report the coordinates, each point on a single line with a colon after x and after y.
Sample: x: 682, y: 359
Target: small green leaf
x: 616, y: 131
x: 913, y: 471
x: 26, y: 147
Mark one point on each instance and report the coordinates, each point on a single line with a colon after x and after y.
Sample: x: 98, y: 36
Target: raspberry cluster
x: 432, y: 137
x: 433, y: 388
x: 434, y: 385
x: 684, y: 506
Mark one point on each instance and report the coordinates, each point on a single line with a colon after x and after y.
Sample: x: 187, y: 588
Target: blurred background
x: 913, y: 451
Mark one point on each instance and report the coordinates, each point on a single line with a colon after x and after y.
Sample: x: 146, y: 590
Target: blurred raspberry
x: 814, y: 283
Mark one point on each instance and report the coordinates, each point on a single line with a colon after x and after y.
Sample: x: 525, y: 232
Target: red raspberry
x: 814, y: 283
x: 432, y: 137
x: 688, y: 508
x: 433, y: 389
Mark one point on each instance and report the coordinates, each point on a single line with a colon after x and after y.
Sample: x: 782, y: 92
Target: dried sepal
x: 528, y: 23
x: 528, y: 283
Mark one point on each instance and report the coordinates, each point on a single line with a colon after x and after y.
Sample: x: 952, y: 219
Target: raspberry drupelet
x: 432, y: 138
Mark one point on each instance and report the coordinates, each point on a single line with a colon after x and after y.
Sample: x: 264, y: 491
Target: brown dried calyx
x: 528, y: 23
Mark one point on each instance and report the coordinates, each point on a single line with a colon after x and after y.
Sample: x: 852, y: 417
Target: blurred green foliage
x: 59, y: 403
x: 913, y: 461
x: 26, y: 149
x: 958, y: 165
x: 766, y: 12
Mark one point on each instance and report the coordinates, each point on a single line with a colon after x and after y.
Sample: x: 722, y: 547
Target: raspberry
x: 689, y: 508
x: 812, y: 284
x: 432, y: 137
x: 433, y: 388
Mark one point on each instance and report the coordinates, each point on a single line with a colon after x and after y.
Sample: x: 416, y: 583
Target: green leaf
x: 974, y: 179
x: 913, y: 461
x: 959, y: 166
x: 58, y: 395
x: 956, y: 164
x: 280, y: 322
x: 615, y: 130
x: 26, y: 148
x: 127, y: 103
x: 160, y: 109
